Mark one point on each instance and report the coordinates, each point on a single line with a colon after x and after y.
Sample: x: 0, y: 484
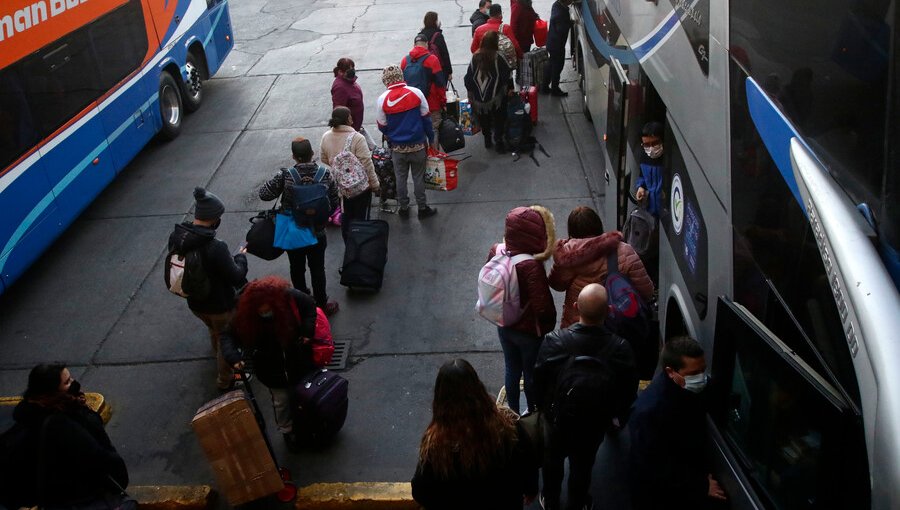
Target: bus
x: 779, y: 228
x: 84, y: 85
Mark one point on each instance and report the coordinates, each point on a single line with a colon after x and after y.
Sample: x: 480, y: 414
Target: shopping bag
x: 452, y: 106
x: 290, y: 236
x: 541, y: 29
x: 467, y: 118
x: 440, y: 171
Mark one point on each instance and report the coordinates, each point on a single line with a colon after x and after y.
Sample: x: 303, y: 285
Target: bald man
x: 585, y: 376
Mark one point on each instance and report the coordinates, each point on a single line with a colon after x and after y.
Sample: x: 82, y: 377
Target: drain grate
x: 341, y: 353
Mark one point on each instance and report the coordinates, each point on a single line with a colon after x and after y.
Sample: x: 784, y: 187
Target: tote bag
x: 290, y: 236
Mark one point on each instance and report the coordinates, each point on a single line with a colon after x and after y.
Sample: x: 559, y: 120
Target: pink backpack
x: 348, y: 171
x: 498, y: 288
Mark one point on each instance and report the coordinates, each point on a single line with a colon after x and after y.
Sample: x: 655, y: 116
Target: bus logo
x: 677, y: 204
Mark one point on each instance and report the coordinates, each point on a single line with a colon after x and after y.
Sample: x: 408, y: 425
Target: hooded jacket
x: 226, y: 272
x: 522, y: 19
x: 403, y: 116
x: 532, y: 230
x: 478, y: 18
x: 493, y: 25
x: 580, y: 262
x: 437, y: 77
x: 348, y: 93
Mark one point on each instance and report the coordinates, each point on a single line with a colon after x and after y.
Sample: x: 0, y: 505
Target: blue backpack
x: 415, y: 74
x: 311, y: 205
x: 629, y: 316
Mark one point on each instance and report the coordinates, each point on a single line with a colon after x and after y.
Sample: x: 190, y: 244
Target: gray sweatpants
x: 403, y: 163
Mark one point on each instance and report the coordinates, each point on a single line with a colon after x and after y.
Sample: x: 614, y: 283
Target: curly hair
x: 272, y: 291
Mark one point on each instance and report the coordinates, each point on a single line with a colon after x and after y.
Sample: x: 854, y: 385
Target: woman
x: 473, y: 454
x: 432, y: 30
x: 488, y: 81
x: 65, y: 458
x: 529, y: 230
x: 273, y: 325
x: 521, y: 19
x: 582, y: 259
x: 333, y: 142
x: 346, y: 92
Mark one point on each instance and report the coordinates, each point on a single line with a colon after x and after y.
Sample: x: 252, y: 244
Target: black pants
x: 356, y: 208
x: 581, y: 449
x: 494, y: 123
x: 554, y: 67
x: 314, y: 256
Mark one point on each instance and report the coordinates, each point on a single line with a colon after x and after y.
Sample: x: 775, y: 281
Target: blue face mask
x: 695, y: 383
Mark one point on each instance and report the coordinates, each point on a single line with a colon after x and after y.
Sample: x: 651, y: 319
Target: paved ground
x: 96, y: 300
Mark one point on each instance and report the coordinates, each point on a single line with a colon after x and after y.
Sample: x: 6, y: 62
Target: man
x: 494, y: 24
x: 422, y: 70
x: 606, y: 387
x: 649, y: 184
x: 480, y: 16
x: 558, y: 33
x: 668, y: 435
x: 281, y: 185
x: 403, y: 117
x: 224, y: 272
x: 522, y: 20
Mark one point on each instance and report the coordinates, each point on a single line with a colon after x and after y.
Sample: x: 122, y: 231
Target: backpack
x: 639, y: 230
x: 351, y: 177
x: 322, y: 343
x: 185, y: 275
x: 518, y: 123
x: 311, y: 207
x: 584, y: 393
x: 415, y: 74
x: 498, y: 288
x: 507, y: 49
x: 433, y: 47
x: 629, y: 316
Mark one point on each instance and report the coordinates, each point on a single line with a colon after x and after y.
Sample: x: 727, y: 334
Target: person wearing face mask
x: 431, y: 28
x: 226, y: 272
x: 345, y: 91
x: 480, y: 16
x: 273, y: 326
x: 649, y: 184
x: 668, y: 461
x: 64, y: 458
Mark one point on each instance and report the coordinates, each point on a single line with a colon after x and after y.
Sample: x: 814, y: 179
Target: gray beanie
x: 207, y: 206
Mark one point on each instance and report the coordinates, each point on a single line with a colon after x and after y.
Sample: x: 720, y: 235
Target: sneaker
x: 331, y: 308
x: 500, y: 148
x: 558, y: 92
x: 291, y: 441
x: 426, y: 211
x: 403, y: 212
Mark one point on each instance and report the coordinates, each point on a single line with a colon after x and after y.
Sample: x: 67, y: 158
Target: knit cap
x: 391, y: 74
x: 206, y: 205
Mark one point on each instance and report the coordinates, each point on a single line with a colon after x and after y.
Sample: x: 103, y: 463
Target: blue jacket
x: 402, y: 115
x: 651, y: 179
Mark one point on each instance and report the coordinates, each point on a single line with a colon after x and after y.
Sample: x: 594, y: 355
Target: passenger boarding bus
x: 84, y: 85
x: 780, y: 224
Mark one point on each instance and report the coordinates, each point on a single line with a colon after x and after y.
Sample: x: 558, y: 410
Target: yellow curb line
x: 356, y: 496
x: 172, y: 497
x: 95, y: 401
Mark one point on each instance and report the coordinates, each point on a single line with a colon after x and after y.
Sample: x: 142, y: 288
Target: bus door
x: 616, y: 204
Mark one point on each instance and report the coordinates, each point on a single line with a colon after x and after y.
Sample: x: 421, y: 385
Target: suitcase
x: 365, y: 254
x: 530, y: 97
x: 384, y: 169
x: 234, y: 444
x: 321, y: 403
x: 534, y: 64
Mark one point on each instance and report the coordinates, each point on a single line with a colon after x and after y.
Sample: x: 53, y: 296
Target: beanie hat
x: 206, y: 205
x: 302, y: 149
x: 391, y: 74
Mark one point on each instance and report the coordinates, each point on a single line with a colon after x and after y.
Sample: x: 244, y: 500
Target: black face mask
x: 215, y: 225
x: 350, y: 74
x: 74, y: 388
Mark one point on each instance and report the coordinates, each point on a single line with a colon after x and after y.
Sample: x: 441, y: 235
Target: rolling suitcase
x: 530, y: 97
x: 384, y: 169
x: 320, y: 405
x: 365, y: 254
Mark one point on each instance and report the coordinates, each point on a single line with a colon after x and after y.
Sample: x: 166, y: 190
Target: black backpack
x: 585, y: 389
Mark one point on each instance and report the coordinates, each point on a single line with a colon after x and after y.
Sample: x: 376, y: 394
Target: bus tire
x: 192, y: 93
x: 171, y: 108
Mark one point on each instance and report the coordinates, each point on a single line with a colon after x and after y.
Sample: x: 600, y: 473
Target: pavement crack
x: 462, y: 13
x: 317, y: 52
x: 365, y: 11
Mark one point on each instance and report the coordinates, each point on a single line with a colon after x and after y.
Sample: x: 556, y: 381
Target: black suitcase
x: 320, y: 405
x: 384, y: 169
x: 365, y: 254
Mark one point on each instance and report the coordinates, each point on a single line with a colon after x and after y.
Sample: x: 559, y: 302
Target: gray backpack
x: 640, y: 230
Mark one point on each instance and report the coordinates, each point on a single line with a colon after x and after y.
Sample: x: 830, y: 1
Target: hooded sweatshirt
x: 226, y: 272
x: 437, y: 78
x: 580, y: 262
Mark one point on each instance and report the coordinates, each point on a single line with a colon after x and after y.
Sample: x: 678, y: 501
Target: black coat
x: 503, y: 487
x: 443, y: 54
x: 560, y: 26
x: 478, y: 18
x: 66, y: 457
x: 668, y: 443
x: 276, y: 365
x: 226, y: 272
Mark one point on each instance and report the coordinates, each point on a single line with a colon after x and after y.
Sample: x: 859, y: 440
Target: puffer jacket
x: 226, y: 272
x: 532, y: 230
x: 579, y: 262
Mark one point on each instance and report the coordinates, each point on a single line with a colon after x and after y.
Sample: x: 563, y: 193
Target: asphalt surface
x: 96, y: 300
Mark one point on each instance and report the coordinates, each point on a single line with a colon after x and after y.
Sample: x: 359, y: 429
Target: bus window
x: 17, y: 127
x: 119, y: 40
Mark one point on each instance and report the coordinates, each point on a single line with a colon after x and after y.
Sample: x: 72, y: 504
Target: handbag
x: 261, y: 236
x: 452, y: 105
x: 450, y: 134
x: 290, y: 236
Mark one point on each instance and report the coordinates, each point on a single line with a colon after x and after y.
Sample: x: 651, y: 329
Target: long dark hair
x: 584, y: 222
x: 487, y: 53
x: 468, y: 432
x: 272, y: 291
x: 431, y: 19
x: 43, y: 388
x: 340, y: 116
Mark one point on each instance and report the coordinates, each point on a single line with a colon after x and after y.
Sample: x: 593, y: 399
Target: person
x: 428, y: 76
x: 273, y: 326
x: 403, y: 116
x: 582, y: 259
x: 280, y: 185
x: 528, y: 230
x: 495, y: 24
x: 432, y: 30
x: 489, y: 81
x: 473, y: 454
x: 333, y: 142
x: 64, y: 458
x: 649, y: 183
x: 579, y: 437
x: 225, y: 272
x: 345, y: 91
x: 558, y: 32
x: 480, y: 16
x: 522, y: 18
x: 668, y: 435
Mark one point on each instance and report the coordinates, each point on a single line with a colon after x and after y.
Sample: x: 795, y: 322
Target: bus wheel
x: 193, y: 87
x: 170, y: 107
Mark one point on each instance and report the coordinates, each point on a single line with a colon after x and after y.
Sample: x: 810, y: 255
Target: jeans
x: 581, y: 448
x: 404, y: 162
x: 519, y: 354
x: 216, y: 324
x: 554, y: 67
x: 314, y: 256
x: 281, y: 403
x: 356, y: 208
x: 493, y: 123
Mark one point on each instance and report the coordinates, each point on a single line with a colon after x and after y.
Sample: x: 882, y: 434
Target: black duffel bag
x: 261, y: 236
x: 450, y: 135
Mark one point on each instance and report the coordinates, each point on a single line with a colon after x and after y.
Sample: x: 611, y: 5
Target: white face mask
x: 655, y: 151
x: 695, y: 383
